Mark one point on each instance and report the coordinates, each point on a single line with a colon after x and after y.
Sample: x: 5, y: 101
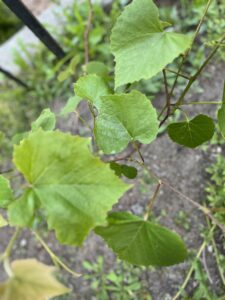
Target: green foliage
x: 91, y: 87
x: 141, y: 242
x: 136, y: 30
x: 127, y: 171
x: 202, y: 291
x: 66, y: 184
x: 192, y: 133
x: 215, y: 188
x: 3, y: 221
x: 121, y: 282
x: 70, y: 106
x: 46, y: 121
x: 125, y: 118
x: 122, y: 118
x: 6, y: 195
x: 74, y: 188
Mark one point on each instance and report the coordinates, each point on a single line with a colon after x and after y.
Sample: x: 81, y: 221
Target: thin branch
x: 199, y: 103
x: 54, y: 257
x: 179, y: 74
x: 193, y: 79
x: 193, y: 40
x: 185, y: 56
x: 152, y: 201
x: 201, y: 249
x: 202, y: 208
x: 204, y: 262
x: 10, y: 245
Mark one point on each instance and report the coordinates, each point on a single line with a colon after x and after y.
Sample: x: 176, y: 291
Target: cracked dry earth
x: 185, y: 170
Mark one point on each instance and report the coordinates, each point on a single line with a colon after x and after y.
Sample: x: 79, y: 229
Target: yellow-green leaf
x: 3, y: 222
x: 31, y: 280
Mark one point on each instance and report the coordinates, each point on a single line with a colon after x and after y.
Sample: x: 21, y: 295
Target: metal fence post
x: 25, y: 15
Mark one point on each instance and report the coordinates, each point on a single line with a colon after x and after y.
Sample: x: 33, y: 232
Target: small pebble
x: 23, y: 243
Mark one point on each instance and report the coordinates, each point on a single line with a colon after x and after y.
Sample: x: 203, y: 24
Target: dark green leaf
x: 141, y: 242
x: 192, y: 133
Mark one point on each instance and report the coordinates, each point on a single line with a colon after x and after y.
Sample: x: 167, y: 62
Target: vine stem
x: 216, y: 253
x: 152, y: 201
x: 192, y: 80
x: 10, y: 245
x: 137, y: 148
x: 5, y: 256
x: 193, y: 40
x: 202, y: 208
x: 201, y: 103
x: 195, y: 76
x: 54, y: 257
x: 184, y: 58
x: 179, y: 74
x: 201, y: 249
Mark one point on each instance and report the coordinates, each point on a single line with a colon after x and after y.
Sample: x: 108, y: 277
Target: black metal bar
x: 12, y: 77
x: 24, y: 14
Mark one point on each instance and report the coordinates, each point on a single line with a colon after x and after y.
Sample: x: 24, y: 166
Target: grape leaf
x: 192, y: 133
x: 70, y: 106
x: 128, y: 171
x: 91, y: 87
x: 142, y: 242
x: 6, y: 194
x: 75, y: 188
x: 31, y: 280
x: 124, y: 118
x: 3, y: 221
x: 46, y: 120
x: 140, y: 45
x: 98, y: 68
x: 22, y: 211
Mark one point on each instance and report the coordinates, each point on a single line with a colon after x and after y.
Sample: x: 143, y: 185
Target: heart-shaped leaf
x: 141, y: 46
x: 141, y: 242
x: 192, y: 133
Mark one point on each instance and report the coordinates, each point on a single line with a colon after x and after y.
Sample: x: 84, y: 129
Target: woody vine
x: 72, y: 182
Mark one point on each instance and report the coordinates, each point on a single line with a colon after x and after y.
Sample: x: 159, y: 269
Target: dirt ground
x: 185, y: 170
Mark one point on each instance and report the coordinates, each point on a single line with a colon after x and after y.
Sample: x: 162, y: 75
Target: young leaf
x: 21, y: 212
x: 91, y: 87
x: 75, y: 188
x: 46, y: 121
x: 127, y: 171
x: 31, y: 280
x: 98, y: 68
x: 141, y: 242
x: 3, y: 221
x: 70, y: 106
x: 124, y: 118
x: 192, y: 133
x: 6, y: 194
x: 140, y: 45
